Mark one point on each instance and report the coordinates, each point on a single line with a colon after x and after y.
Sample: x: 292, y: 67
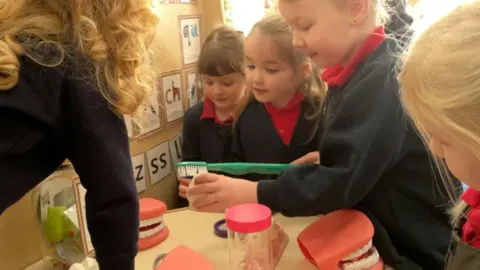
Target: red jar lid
x: 248, y: 218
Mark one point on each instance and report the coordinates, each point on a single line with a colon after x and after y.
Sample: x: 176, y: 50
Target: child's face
x: 269, y: 75
x: 321, y: 28
x: 463, y: 164
x: 224, y: 91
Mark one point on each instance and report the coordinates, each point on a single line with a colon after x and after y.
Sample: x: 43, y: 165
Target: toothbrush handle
x: 241, y: 168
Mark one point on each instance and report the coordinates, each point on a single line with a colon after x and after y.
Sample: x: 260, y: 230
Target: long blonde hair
x: 112, y: 35
x: 440, y: 82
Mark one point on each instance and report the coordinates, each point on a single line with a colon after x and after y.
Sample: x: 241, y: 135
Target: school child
x: 69, y: 71
x: 280, y: 124
x: 440, y: 89
x: 207, y: 128
x: 371, y: 157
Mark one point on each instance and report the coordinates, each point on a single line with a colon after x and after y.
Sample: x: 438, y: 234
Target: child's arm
x: 362, y: 140
x: 191, y: 134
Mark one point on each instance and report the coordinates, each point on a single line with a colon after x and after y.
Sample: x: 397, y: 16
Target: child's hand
x: 310, y: 158
x: 183, y: 186
x: 219, y: 192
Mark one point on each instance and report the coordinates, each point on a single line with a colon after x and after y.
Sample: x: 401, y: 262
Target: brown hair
x: 222, y: 54
x: 114, y: 36
x: 313, y: 87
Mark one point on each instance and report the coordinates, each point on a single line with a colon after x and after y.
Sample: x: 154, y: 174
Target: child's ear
x: 358, y: 10
x: 306, y: 70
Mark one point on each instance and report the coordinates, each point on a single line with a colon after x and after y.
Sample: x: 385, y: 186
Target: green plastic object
x: 57, y: 225
x: 235, y: 168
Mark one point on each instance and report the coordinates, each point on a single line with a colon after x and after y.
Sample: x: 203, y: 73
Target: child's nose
x: 297, y: 42
x: 257, y: 75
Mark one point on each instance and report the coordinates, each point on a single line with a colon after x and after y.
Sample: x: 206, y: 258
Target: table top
x: 195, y: 230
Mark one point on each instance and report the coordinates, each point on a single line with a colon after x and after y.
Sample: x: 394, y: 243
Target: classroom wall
x: 20, y: 238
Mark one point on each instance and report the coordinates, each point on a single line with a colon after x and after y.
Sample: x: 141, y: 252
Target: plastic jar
x: 249, y: 237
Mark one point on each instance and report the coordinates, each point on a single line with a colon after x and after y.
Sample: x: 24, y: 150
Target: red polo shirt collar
x: 209, y: 112
x: 285, y: 119
x: 338, y: 76
x: 471, y: 228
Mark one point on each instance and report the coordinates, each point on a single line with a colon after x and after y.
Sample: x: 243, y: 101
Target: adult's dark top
x: 50, y: 116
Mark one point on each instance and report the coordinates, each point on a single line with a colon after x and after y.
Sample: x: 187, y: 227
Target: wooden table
x: 195, y: 230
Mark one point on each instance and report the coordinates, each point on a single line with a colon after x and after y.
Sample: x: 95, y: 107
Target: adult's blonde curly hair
x: 112, y: 35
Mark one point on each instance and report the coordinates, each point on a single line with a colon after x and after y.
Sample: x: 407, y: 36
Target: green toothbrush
x: 190, y: 169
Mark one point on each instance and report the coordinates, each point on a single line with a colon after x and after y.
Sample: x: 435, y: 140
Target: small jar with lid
x: 249, y: 237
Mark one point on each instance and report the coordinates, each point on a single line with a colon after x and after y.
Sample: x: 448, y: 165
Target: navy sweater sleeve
x: 191, y: 133
x: 361, y: 141
x: 98, y: 148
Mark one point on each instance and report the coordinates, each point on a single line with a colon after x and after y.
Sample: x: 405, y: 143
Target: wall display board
x: 176, y: 147
x: 190, y: 37
x: 172, y: 89
x: 194, y: 92
x: 159, y: 162
x: 139, y: 169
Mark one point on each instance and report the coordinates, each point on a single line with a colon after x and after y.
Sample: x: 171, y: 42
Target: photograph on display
x: 190, y: 31
x: 172, y: 95
x: 194, y: 91
x: 151, y: 117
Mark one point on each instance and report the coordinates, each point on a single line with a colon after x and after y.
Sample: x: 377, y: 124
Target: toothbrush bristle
x: 190, y: 171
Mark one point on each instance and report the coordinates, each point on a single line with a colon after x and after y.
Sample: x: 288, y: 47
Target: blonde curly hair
x: 112, y: 35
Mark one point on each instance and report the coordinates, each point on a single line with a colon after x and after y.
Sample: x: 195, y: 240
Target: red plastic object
x: 248, y: 218
x: 152, y: 209
x: 184, y: 258
x: 334, y: 236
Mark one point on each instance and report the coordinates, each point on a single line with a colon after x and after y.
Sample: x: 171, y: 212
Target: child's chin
x: 262, y: 98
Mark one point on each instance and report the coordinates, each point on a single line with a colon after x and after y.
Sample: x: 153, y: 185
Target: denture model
x: 182, y: 257
x: 341, y: 240
x: 152, y: 228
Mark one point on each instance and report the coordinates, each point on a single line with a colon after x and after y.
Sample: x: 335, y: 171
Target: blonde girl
x: 69, y: 71
x: 280, y: 124
x: 371, y: 158
x: 441, y: 92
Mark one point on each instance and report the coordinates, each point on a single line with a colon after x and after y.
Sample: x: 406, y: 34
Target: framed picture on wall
x: 172, y: 90
x: 194, y: 90
x: 190, y: 38
x: 80, y: 192
x: 151, y: 121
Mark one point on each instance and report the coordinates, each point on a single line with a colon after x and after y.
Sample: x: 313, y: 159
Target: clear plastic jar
x: 249, y: 237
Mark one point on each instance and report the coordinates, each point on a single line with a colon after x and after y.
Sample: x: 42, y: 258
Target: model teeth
x: 368, y: 262
x: 151, y: 221
x: 154, y: 230
x: 190, y: 171
x: 359, y: 252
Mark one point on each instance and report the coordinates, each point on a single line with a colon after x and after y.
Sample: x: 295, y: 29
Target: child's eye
x: 227, y: 84
x: 250, y: 66
x: 306, y: 28
x: 269, y: 70
x: 209, y: 83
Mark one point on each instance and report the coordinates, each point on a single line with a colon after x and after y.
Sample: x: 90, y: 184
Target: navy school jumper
x: 257, y: 140
x: 50, y: 116
x: 204, y: 137
x: 373, y: 160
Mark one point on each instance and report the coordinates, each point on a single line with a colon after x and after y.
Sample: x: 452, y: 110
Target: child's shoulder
x: 378, y: 74
x: 194, y: 113
x: 251, y: 109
